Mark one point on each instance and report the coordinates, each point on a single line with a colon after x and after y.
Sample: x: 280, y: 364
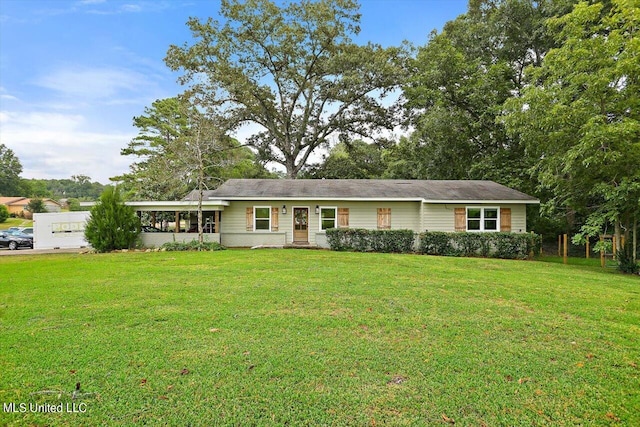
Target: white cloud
x: 131, y: 8
x: 56, y: 146
x: 85, y: 83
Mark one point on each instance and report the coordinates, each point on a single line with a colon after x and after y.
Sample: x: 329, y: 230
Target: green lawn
x: 275, y: 337
x: 16, y: 222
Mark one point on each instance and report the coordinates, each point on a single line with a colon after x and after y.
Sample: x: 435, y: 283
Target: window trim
x: 482, y: 219
x: 255, y: 218
x: 335, y: 218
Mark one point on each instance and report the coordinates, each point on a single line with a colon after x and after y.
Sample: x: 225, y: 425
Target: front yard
x: 276, y: 337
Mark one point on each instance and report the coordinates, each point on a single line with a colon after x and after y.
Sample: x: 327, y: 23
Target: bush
x: 193, y: 245
x: 4, y: 213
x: 494, y: 245
x: 362, y: 240
x: 435, y: 243
x: 625, y: 260
x: 112, y: 224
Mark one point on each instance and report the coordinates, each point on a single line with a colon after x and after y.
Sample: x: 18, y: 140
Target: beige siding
x: 404, y: 215
x: 440, y: 217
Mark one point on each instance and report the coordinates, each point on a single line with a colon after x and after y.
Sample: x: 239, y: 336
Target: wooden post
x: 614, y: 241
x: 565, y: 252
x: 602, y: 251
x: 559, y: 244
x: 177, y: 221
x: 587, y: 253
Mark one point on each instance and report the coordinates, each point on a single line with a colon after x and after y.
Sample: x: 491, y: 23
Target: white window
x: 483, y: 219
x: 328, y: 217
x: 262, y: 218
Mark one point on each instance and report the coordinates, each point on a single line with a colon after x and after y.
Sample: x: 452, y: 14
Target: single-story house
x: 255, y: 212
x: 18, y: 205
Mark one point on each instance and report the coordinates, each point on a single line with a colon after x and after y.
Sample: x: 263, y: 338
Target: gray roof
x: 378, y: 189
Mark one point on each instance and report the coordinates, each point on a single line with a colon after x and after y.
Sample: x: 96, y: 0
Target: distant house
x: 254, y: 212
x: 18, y: 206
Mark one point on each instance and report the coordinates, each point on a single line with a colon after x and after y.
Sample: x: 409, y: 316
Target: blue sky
x: 73, y: 74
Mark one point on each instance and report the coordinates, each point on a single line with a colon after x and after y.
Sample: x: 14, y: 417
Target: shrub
x: 626, y: 264
x: 362, y: 240
x: 112, y: 224
x: 495, y: 245
x: 4, y: 213
x: 435, y: 243
x: 193, y: 245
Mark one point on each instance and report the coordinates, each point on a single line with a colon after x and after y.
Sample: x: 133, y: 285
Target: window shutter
x: 249, y: 219
x: 505, y: 219
x: 460, y: 219
x: 384, y: 218
x: 274, y: 218
x: 343, y: 217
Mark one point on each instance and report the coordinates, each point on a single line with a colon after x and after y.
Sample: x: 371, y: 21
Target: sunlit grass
x: 278, y: 337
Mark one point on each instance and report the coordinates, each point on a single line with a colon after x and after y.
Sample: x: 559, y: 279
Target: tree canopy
x: 580, y: 117
x: 294, y: 71
x: 10, y: 170
x: 163, y: 170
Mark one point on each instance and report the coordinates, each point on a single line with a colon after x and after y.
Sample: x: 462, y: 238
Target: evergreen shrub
x: 493, y: 245
x: 362, y: 240
x: 112, y: 225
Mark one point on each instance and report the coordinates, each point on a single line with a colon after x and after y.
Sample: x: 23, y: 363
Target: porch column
x: 177, y: 221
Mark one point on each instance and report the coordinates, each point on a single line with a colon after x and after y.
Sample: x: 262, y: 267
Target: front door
x: 300, y: 225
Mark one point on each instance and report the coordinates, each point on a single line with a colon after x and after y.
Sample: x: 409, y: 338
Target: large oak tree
x: 294, y: 71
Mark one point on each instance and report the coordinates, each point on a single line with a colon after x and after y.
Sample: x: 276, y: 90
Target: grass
x: 275, y: 337
x: 16, y: 222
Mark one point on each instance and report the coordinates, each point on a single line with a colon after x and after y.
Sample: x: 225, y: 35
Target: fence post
x: 565, y: 250
x: 601, y: 251
x: 559, y: 244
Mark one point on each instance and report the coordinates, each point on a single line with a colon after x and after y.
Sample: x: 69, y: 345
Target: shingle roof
x: 353, y: 189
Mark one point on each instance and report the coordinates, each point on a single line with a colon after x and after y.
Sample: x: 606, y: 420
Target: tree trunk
x: 617, y: 237
x: 200, y: 196
x: 635, y: 238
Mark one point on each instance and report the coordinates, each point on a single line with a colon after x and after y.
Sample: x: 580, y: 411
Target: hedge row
x: 493, y: 245
x: 193, y: 245
x: 361, y: 240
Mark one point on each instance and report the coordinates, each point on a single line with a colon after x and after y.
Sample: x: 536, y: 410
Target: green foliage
x: 493, y: 245
x: 193, y: 245
x: 293, y: 69
x: 362, y: 240
x: 436, y: 243
x: 78, y: 186
x: 112, y: 224
x: 36, y: 206
x: 579, y: 118
x: 626, y: 264
x: 352, y: 160
x: 10, y: 170
x: 74, y: 205
x: 4, y: 213
x: 455, y: 95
